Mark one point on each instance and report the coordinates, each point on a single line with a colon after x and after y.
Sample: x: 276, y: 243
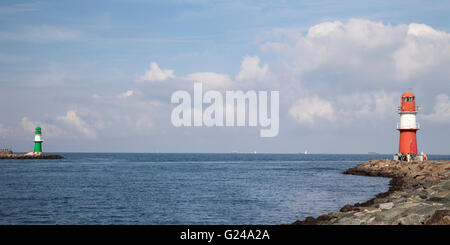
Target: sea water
x: 159, y: 188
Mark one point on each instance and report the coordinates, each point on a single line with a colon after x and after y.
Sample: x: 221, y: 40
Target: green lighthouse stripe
x: 38, y: 146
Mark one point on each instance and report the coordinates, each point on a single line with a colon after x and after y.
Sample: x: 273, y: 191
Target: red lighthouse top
x: 408, y: 102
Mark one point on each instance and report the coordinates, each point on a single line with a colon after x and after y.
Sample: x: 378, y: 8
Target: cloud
x: 251, y: 71
x: 345, y: 108
x: 211, y: 79
x: 359, y: 68
x: 364, y: 51
x: 423, y: 49
x: 308, y: 110
x: 49, y: 130
x: 96, y: 97
x: 67, y: 126
x: 156, y: 74
x: 441, y: 111
x: 72, y: 120
x: 360, y: 105
x: 126, y: 94
x: 44, y: 33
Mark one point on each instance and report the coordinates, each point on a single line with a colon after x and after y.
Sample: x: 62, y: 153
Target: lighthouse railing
x: 400, y: 109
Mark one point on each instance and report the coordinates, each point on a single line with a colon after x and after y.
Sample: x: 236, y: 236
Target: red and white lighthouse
x: 408, y: 125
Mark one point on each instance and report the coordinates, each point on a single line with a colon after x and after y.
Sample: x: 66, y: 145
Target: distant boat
x: 372, y: 153
x: 306, y: 152
x: 254, y: 152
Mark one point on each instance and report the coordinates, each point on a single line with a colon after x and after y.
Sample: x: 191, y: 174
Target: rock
x: 324, y: 217
x: 436, y: 199
x: 437, y: 204
x: 440, y: 217
x: 390, y: 214
x: 30, y: 156
x: 381, y: 200
x: 346, y: 208
x: 349, y: 221
x: 370, y: 220
x: 388, y: 205
x: 413, y: 219
x: 446, y: 220
x: 419, y: 193
x: 406, y: 205
x: 308, y: 221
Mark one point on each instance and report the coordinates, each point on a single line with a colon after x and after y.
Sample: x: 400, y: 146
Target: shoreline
x: 419, y: 194
x: 25, y: 156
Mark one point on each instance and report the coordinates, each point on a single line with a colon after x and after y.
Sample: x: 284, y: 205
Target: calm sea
x: 133, y: 188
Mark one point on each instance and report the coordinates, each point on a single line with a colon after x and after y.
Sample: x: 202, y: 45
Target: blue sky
x: 75, y: 61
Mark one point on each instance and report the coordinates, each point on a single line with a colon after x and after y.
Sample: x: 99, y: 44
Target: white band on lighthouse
x: 408, y: 120
x: 37, y: 137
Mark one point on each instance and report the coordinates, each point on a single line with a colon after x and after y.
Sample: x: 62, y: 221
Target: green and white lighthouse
x: 38, y: 140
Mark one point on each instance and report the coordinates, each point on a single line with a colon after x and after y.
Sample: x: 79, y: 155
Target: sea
x: 182, y: 188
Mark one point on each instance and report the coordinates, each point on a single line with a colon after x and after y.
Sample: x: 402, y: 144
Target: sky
x: 98, y: 76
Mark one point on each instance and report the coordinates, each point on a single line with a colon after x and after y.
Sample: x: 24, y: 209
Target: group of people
x: 410, y: 157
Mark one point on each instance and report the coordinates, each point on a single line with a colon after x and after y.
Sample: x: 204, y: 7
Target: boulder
x: 440, y: 217
x: 388, y: 205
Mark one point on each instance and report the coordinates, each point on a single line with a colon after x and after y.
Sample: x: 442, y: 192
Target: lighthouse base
x: 408, y: 158
x: 34, y: 154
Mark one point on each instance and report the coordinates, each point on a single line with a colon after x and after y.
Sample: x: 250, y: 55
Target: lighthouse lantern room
x: 408, y: 127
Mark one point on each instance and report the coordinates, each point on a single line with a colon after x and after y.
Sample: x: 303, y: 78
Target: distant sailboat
x: 306, y: 152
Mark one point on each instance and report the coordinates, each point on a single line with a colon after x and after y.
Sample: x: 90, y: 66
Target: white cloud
x: 156, y: 74
x: 365, y: 51
x: 346, y: 108
x: 49, y: 130
x: 423, y: 49
x: 128, y: 93
x: 211, y: 79
x: 251, y: 71
x: 67, y: 126
x: 72, y: 120
x: 441, y: 111
x: 369, y: 105
x: 307, y: 110
x: 96, y: 97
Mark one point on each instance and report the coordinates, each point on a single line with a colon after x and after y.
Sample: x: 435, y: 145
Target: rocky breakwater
x: 419, y: 194
x: 8, y: 154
